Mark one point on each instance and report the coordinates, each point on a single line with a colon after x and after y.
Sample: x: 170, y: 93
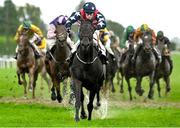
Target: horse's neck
x: 87, y: 55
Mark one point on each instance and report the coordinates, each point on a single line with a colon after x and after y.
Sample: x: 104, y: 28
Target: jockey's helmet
x: 144, y: 27
x: 26, y: 24
x: 130, y: 29
x: 160, y: 34
x: 89, y: 7
x: 62, y: 19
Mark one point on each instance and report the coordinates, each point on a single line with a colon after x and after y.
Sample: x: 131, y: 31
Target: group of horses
x: 86, y: 69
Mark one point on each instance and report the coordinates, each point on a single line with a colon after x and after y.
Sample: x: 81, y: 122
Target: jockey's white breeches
x: 108, y: 47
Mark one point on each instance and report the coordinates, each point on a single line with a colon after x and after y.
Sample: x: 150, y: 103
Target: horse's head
x: 61, y: 34
x: 147, y: 42
x: 23, y: 43
x: 86, y: 32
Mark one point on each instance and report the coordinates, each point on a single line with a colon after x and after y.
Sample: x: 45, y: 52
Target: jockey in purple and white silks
x: 51, y: 32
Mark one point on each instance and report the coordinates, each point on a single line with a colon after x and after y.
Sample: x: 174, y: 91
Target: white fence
x: 7, y: 62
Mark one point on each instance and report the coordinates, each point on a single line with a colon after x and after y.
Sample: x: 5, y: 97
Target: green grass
x: 16, y: 111
x: 20, y: 115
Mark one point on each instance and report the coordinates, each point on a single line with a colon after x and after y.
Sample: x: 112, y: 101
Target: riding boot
x: 37, y: 54
x: 157, y: 55
x: 136, y: 53
x: 103, y: 58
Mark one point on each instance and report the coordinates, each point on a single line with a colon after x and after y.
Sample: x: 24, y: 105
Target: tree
x: 33, y: 14
x: 9, y: 18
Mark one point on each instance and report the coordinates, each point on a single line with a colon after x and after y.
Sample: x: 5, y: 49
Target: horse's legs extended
x: 53, y: 93
x: 139, y: 89
x: 112, y: 85
x: 24, y: 84
x: 121, y: 84
x: 78, y: 86
x: 90, y: 104
x: 83, y: 114
x: 167, y: 81
x: 158, y: 87
x: 57, y: 85
x: 151, y: 85
x: 19, y: 78
x: 129, y: 87
x: 31, y: 78
x: 34, y: 83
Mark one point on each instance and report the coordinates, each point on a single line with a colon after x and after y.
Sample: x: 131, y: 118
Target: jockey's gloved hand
x: 98, y: 27
x: 38, y: 41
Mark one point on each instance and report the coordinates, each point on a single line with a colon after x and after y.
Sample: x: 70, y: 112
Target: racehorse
x: 86, y: 70
x: 27, y: 63
x: 127, y: 68
x: 145, y: 64
x: 58, y: 67
x: 164, y: 69
x: 111, y: 69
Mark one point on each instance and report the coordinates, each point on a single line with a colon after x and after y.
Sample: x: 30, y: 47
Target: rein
x: 84, y: 62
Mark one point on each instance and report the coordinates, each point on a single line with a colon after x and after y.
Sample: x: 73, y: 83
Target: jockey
x: 127, y: 37
x: 89, y: 12
x: 104, y: 36
x: 36, y: 40
x: 160, y: 37
x: 52, y: 33
x: 137, y: 36
x: 114, y: 41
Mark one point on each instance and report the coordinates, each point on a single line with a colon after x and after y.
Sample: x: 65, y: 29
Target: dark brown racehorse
x: 165, y: 68
x: 58, y: 67
x: 26, y: 63
x: 145, y: 65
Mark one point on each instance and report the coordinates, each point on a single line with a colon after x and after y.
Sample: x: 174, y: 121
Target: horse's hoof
x: 53, y: 97
x: 83, y: 116
x: 150, y: 97
x: 98, y: 104
x: 113, y: 90
x: 168, y: 90
x: 77, y: 119
x: 20, y: 82
x: 59, y: 99
x: 121, y: 91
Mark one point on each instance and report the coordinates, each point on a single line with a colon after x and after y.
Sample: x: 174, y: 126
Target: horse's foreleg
x: 151, y: 85
x: 90, y: 104
x: 121, y: 84
x: 57, y: 85
x: 139, y: 89
x: 64, y: 87
x: 34, y: 83
x: 19, y: 78
x: 112, y: 85
x: 129, y: 88
x: 83, y: 114
x: 77, y: 86
x: 158, y: 87
x: 24, y: 84
x: 167, y: 81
